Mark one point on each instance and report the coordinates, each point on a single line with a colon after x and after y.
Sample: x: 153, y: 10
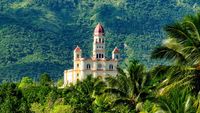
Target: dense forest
x: 172, y: 88
x: 38, y: 36
x: 159, y: 40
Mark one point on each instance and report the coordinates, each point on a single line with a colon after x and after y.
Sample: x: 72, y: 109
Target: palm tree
x: 197, y: 103
x: 130, y: 86
x: 102, y: 103
x: 174, y: 102
x: 182, y: 47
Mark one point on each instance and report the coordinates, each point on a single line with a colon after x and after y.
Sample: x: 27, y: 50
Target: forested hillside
x: 38, y: 36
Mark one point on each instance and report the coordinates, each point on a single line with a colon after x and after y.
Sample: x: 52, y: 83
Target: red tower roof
x: 116, y: 50
x: 77, y: 49
x: 99, y: 31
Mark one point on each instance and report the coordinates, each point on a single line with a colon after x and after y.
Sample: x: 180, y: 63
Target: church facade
x: 99, y: 65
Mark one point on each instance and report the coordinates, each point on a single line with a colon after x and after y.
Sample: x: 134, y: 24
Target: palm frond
x: 192, y: 29
x: 124, y: 101
x: 115, y: 91
x: 168, y: 53
x: 175, y: 84
x: 177, y: 31
x: 194, y: 22
x: 112, y: 81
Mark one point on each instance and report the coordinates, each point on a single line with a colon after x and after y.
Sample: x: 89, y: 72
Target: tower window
x: 77, y: 77
x: 110, y: 67
x: 88, y: 66
x: 117, y: 56
x: 77, y: 55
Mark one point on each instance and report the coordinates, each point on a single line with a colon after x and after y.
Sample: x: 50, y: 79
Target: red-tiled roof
x: 116, y: 50
x: 77, y: 49
x: 99, y: 31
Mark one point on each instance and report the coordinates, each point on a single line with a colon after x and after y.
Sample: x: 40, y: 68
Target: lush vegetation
x: 133, y: 90
x: 39, y: 35
x: 171, y: 88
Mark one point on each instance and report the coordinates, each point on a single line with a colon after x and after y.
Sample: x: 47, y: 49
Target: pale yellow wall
x: 70, y: 76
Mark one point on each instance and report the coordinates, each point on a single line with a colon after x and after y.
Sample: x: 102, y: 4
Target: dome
x: 116, y: 50
x: 99, y: 31
x: 77, y: 49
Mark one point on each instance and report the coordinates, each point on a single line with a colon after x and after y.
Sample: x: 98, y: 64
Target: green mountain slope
x: 39, y: 35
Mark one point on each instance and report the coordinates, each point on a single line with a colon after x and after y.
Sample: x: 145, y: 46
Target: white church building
x: 99, y: 65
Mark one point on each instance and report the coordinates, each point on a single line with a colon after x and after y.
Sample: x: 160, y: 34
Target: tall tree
x: 26, y: 82
x: 130, y: 85
x: 45, y: 79
x: 182, y: 47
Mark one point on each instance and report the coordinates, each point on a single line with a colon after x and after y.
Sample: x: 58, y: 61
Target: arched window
x: 100, y: 40
x: 97, y: 56
x: 102, y: 56
x: 88, y: 66
x: 99, y: 66
x: 110, y: 67
x: 77, y: 76
x: 77, y: 65
x: 117, y: 57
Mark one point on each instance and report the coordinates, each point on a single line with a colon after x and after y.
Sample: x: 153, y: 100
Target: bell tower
x: 77, y: 53
x: 77, y: 57
x: 116, y: 54
x: 99, y: 42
